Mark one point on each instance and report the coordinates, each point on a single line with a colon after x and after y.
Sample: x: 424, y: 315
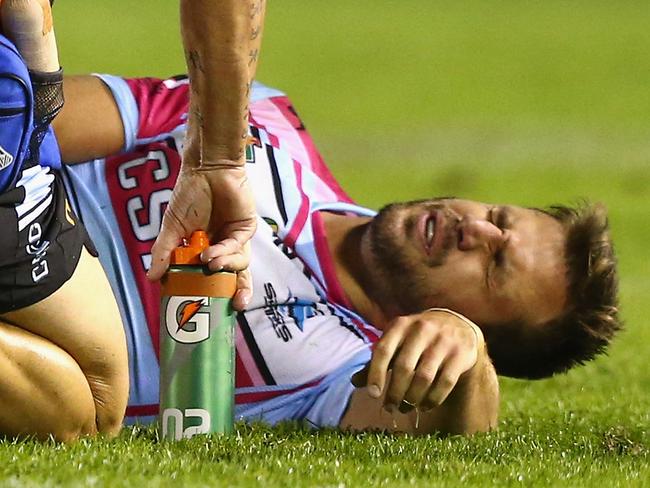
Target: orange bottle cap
x: 190, y: 252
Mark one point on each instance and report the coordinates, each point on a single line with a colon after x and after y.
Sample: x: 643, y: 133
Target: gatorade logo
x: 188, y: 319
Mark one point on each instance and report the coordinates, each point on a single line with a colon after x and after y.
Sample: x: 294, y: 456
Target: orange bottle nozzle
x: 189, y: 252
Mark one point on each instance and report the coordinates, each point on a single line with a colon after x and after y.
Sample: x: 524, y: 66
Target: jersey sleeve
x: 150, y: 108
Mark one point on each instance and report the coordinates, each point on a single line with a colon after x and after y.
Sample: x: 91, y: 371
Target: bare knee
x: 92, y: 339
x: 43, y: 392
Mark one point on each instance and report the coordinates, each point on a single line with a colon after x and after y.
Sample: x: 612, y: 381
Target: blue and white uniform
x: 299, y: 342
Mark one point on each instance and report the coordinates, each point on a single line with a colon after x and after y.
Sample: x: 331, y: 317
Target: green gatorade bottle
x: 197, y: 345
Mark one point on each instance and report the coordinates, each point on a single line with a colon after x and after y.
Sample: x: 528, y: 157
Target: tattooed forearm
x: 256, y: 8
x: 252, y: 56
x: 198, y: 116
x: 255, y: 32
x: 193, y: 59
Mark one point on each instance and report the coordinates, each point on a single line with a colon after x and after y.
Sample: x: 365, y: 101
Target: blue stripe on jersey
x: 96, y: 212
x: 127, y: 106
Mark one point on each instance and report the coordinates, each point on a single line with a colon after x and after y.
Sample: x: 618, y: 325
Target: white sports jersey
x: 299, y: 342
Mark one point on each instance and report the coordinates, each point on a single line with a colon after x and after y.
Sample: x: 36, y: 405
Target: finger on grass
x: 444, y: 383
x: 424, y: 375
x: 382, y: 357
x: 403, y: 367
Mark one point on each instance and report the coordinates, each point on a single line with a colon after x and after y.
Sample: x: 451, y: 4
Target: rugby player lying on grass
x: 334, y: 285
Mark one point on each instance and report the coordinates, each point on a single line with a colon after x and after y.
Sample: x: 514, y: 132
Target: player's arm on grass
x: 222, y: 42
x: 435, y: 360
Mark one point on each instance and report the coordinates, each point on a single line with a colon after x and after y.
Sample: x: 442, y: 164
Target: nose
x: 474, y: 233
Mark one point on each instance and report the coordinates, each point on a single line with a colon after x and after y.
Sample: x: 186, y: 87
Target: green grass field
x: 521, y: 102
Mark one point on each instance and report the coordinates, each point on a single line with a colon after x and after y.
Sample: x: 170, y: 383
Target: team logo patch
x: 5, y: 158
x: 188, y: 319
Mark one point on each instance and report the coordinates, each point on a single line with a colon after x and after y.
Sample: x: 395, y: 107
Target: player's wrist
x: 213, y: 165
x: 480, y: 339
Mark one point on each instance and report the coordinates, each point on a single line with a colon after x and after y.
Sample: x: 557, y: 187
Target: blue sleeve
x: 126, y: 105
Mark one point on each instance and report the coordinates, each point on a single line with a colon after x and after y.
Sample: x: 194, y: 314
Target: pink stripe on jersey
x: 248, y: 362
x: 277, y: 117
x: 303, y: 211
x: 255, y: 122
x: 335, y: 291
x: 301, y: 141
x: 162, y: 105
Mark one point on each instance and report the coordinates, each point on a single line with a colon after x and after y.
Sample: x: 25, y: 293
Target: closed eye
x: 500, y: 217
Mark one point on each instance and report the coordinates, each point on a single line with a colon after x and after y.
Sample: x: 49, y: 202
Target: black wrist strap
x: 48, y: 102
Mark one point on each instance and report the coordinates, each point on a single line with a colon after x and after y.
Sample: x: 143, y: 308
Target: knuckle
x: 421, y: 326
x: 401, y: 321
x: 444, y: 341
x: 446, y: 381
x: 425, y: 374
x: 381, y: 350
x: 402, y: 365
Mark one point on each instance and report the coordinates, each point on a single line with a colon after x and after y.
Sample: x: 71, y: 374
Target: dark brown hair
x: 591, y: 318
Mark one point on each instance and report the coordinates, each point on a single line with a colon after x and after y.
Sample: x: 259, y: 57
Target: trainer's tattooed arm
x: 222, y: 43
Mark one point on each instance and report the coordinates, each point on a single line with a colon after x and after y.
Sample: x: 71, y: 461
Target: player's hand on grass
x: 219, y: 201
x: 427, y: 354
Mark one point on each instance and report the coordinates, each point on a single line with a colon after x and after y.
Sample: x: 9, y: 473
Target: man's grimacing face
x: 492, y: 263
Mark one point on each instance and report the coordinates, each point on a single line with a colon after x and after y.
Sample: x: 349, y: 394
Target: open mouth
x: 428, y: 226
x: 430, y: 231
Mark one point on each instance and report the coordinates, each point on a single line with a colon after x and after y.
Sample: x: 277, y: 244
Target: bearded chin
x: 398, y: 284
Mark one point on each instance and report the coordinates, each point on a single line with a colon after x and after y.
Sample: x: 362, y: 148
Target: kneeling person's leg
x: 51, y: 287
x: 81, y: 322
x: 43, y: 391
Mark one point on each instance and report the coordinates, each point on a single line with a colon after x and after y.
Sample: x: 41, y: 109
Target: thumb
x: 161, y: 251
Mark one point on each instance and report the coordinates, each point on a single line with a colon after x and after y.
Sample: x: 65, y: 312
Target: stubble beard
x: 399, y: 280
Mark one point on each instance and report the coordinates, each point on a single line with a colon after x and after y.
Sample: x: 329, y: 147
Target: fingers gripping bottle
x: 197, y: 346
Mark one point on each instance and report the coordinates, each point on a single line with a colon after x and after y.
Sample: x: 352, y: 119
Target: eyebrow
x: 504, y: 217
x: 504, y: 221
